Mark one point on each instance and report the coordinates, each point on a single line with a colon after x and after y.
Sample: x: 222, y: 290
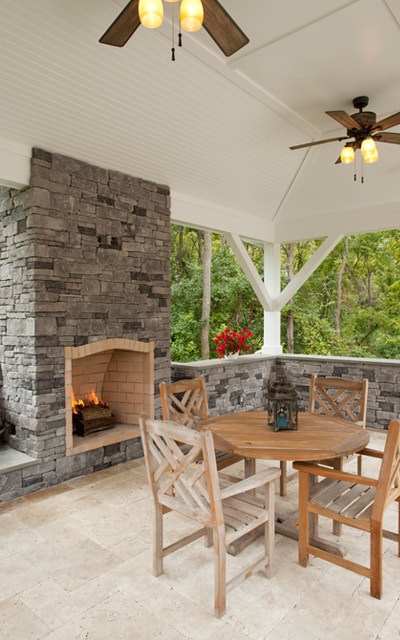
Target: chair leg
x: 158, y: 542
x: 219, y: 572
x: 359, y: 465
x: 208, y: 538
x: 249, y: 467
x: 269, y: 531
x: 336, y: 526
x: 283, y: 478
x: 376, y: 560
x: 304, y: 523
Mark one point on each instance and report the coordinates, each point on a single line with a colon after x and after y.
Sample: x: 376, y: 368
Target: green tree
x: 350, y: 306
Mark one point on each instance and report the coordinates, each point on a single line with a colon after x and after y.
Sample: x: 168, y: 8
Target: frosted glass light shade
x: 151, y: 13
x: 191, y: 15
x: 347, y: 155
x: 371, y: 157
x: 367, y: 147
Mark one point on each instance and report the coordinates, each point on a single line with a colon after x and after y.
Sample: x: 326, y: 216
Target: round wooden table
x: 318, y: 437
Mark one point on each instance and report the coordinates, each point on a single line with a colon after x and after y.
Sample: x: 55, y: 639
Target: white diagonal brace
x: 307, y: 270
x: 256, y: 282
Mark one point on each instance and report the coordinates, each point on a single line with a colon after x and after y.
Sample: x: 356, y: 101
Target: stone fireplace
x: 85, y: 299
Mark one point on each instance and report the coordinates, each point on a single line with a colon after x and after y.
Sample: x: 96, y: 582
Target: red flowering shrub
x: 229, y: 341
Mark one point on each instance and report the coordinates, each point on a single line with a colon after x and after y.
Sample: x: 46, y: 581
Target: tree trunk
x: 206, y: 306
x: 342, y: 267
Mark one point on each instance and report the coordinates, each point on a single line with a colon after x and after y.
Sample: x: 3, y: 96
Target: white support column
x: 272, y: 281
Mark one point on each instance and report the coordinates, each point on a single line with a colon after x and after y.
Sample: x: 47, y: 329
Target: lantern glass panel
x: 282, y: 406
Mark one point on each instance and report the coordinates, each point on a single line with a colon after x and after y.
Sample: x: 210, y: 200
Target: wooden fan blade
x: 386, y: 123
x: 344, y: 119
x: 313, y: 144
x: 393, y: 138
x: 222, y: 28
x: 123, y: 27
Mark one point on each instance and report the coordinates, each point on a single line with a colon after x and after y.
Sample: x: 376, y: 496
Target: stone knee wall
x: 242, y: 384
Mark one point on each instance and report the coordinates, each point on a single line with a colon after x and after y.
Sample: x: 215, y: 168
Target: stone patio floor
x: 76, y: 565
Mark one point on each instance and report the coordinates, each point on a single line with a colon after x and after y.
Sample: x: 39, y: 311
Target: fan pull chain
x: 180, y: 29
x: 173, y: 35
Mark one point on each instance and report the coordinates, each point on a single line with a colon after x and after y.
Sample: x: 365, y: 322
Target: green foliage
x: 233, y: 302
x: 366, y: 323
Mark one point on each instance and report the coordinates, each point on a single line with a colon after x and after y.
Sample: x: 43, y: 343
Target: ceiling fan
x: 217, y: 22
x: 363, y: 127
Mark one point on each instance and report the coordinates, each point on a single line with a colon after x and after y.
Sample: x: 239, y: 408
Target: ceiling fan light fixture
x: 151, y: 13
x: 347, y: 154
x: 368, y: 147
x: 191, y: 15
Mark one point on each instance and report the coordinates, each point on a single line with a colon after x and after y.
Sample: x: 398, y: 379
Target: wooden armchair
x: 338, y: 397
x: 185, y: 402
x: 354, y: 500
x: 186, y: 480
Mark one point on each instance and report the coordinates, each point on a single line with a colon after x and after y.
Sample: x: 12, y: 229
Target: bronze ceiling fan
x: 217, y: 22
x: 361, y: 126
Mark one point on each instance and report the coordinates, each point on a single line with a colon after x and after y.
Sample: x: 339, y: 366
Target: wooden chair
x: 185, y: 402
x: 186, y: 480
x: 339, y: 397
x: 354, y: 500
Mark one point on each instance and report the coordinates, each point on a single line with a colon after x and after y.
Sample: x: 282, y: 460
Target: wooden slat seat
x: 183, y: 476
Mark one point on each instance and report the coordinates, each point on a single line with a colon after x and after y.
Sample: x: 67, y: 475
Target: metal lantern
x: 283, y: 405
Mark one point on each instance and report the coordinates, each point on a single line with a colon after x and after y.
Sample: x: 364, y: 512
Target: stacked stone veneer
x: 242, y: 384
x: 84, y: 256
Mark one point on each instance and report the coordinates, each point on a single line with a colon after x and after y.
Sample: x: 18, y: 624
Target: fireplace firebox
x: 120, y: 372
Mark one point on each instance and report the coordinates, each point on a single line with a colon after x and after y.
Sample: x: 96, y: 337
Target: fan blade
x: 313, y: 144
x: 386, y: 123
x: 344, y: 119
x: 393, y: 138
x: 123, y: 27
x: 222, y: 28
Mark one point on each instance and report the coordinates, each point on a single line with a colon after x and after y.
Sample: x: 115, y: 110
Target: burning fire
x: 91, y: 399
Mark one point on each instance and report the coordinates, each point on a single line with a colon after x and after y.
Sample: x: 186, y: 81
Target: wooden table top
x: 317, y: 438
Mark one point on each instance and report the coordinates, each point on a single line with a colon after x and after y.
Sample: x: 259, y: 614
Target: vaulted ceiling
x: 217, y: 130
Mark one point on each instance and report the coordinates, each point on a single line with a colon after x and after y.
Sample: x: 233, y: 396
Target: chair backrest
x: 339, y: 397
x: 388, y: 488
x: 184, y: 401
x: 182, y: 478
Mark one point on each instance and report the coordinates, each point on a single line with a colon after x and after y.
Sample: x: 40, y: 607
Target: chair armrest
x: 328, y: 472
x: 252, y: 482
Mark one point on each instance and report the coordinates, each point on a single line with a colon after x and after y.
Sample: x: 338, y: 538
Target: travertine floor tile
x: 76, y: 564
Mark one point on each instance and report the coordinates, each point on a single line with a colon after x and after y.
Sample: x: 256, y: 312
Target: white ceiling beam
x: 15, y: 164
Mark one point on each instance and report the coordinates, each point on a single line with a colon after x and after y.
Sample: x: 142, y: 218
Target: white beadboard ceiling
x: 215, y: 129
